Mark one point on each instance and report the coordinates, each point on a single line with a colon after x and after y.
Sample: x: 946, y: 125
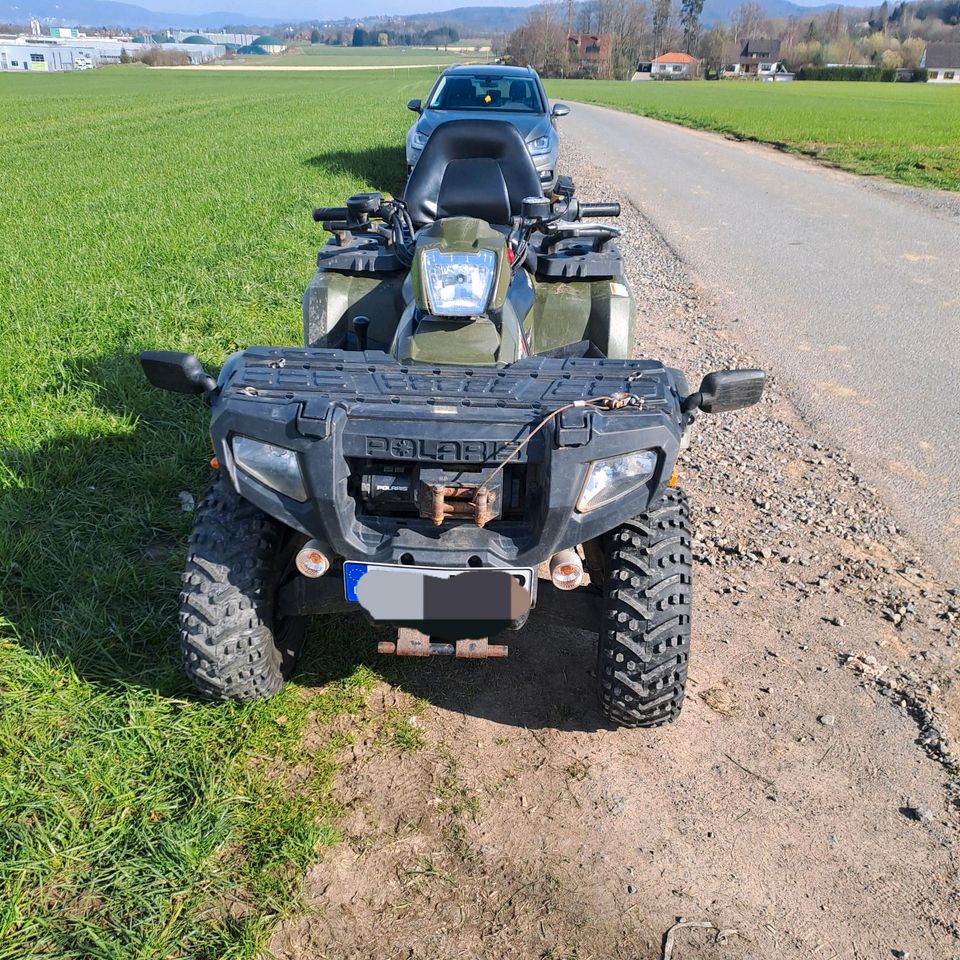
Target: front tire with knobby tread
x: 644, y: 642
x: 234, y: 644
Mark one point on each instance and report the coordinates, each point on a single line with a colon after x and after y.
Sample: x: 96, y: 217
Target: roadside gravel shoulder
x: 806, y: 802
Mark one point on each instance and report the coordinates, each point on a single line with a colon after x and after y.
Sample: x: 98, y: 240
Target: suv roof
x: 492, y: 69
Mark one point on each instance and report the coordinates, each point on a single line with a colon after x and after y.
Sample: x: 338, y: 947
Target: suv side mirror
x: 726, y: 390
x: 176, y: 372
x: 415, y: 105
x: 559, y: 110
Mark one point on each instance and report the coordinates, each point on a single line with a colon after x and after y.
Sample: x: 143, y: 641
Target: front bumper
x: 351, y: 415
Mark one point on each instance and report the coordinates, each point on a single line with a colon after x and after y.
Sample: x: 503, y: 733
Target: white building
x: 54, y: 54
x: 942, y: 62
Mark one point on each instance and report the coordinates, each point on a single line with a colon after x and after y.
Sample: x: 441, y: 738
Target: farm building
x: 270, y: 44
x: 756, y: 59
x: 40, y: 55
x: 55, y: 54
x: 224, y: 39
x: 942, y: 62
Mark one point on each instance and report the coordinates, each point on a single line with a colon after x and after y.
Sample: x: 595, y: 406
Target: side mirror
x: 415, y: 105
x: 176, y: 372
x: 727, y: 390
x: 559, y: 110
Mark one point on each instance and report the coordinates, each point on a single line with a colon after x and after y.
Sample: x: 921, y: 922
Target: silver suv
x: 513, y: 94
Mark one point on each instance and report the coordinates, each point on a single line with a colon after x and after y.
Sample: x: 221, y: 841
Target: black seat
x: 472, y: 168
x: 519, y: 91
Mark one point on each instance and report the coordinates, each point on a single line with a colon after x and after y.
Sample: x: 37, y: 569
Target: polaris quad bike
x: 463, y: 415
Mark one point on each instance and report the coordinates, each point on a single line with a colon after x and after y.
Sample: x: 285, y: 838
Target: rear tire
x: 234, y: 644
x: 644, y: 641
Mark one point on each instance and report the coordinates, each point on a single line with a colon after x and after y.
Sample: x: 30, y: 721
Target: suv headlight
x: 458, y: 284
x: 275, y: 467
x: 615, y: 476
x: 419, y: 140
x: 539, y: 146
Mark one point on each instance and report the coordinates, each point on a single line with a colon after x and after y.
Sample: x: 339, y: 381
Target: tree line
x: 886, y: 37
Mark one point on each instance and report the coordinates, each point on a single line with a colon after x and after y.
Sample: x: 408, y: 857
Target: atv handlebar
x: 599, y: 210
x: 329, y: 213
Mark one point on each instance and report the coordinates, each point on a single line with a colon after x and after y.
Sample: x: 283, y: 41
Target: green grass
x: 907, y: 132
x: 324, y: 56
x: 154, y: 209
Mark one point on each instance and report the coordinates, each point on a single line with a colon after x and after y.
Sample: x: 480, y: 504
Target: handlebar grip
x: 599, y: 210
x: 329, y: 213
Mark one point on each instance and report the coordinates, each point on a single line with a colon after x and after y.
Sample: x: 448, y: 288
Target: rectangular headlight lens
x: 539, y: 146
x: 613, y: 477
x: 458, y: 284
x: 275, y: 467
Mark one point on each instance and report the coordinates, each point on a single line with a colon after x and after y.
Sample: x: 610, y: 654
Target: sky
x: 321, y: 10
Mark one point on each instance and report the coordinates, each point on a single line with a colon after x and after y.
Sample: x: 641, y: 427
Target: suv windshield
x: 477, y: 92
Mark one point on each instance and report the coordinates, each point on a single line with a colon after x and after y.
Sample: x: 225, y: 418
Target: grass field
x: 908, y: 132
x: 324, y: 56
x: 153, y: 209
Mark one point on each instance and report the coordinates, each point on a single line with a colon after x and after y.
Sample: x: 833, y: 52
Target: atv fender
x: 601, y: 311
x: 332, y: 300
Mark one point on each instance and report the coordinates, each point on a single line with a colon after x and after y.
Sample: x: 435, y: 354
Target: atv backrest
x: 472, y: 168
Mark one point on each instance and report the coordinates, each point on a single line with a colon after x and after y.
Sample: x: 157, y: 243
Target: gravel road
x: 848, y: 286
x: 804, y: 805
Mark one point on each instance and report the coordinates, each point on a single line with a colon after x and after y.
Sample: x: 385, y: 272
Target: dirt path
x: 805, y: 802
x: 860, y: 321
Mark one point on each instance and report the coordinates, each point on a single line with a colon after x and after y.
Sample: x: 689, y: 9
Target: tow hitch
x: 414, y: 643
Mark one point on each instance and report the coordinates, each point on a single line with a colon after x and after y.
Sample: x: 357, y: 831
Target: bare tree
x: 690, y: 11
x: 542, y: 41
x: 749, y: 20
x: 711, y: 46
x: 662, y: 16
x: 626, y: 22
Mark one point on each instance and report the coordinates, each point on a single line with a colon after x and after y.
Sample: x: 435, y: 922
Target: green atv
x: 463, y: 417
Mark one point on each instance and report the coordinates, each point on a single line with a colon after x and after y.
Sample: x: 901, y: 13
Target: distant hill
x: 482, y: 21
x: 470, y: 21
x: 107, y: 13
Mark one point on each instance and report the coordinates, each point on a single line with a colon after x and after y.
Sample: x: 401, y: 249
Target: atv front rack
x: 444, y: 464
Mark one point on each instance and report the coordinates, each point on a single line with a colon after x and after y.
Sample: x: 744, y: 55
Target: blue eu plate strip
x: 352, y: 572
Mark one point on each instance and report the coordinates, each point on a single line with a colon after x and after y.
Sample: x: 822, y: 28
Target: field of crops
x: 153, y: 209
x: 321, y: 55
x: 905, y: 131
x: 161, y: 209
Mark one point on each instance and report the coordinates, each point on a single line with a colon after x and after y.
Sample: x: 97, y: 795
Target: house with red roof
x: 672, y: 66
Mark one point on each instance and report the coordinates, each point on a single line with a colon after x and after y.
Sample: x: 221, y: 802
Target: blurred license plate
x: 353, y: 573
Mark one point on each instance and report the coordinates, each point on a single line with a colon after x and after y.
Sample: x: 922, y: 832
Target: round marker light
x: 566, y: 569
x: 311, y: 561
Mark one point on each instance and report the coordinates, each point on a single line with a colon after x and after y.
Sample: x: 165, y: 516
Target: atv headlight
x: 613, y: 477
x: 458, y: 284
x: 276, y: 467
x: 539, y: 146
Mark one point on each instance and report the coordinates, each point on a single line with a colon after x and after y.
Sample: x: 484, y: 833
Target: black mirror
x: 559, y: 110
x: 176, y: 372
x: 727, y: 390
x: 415, y: 105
